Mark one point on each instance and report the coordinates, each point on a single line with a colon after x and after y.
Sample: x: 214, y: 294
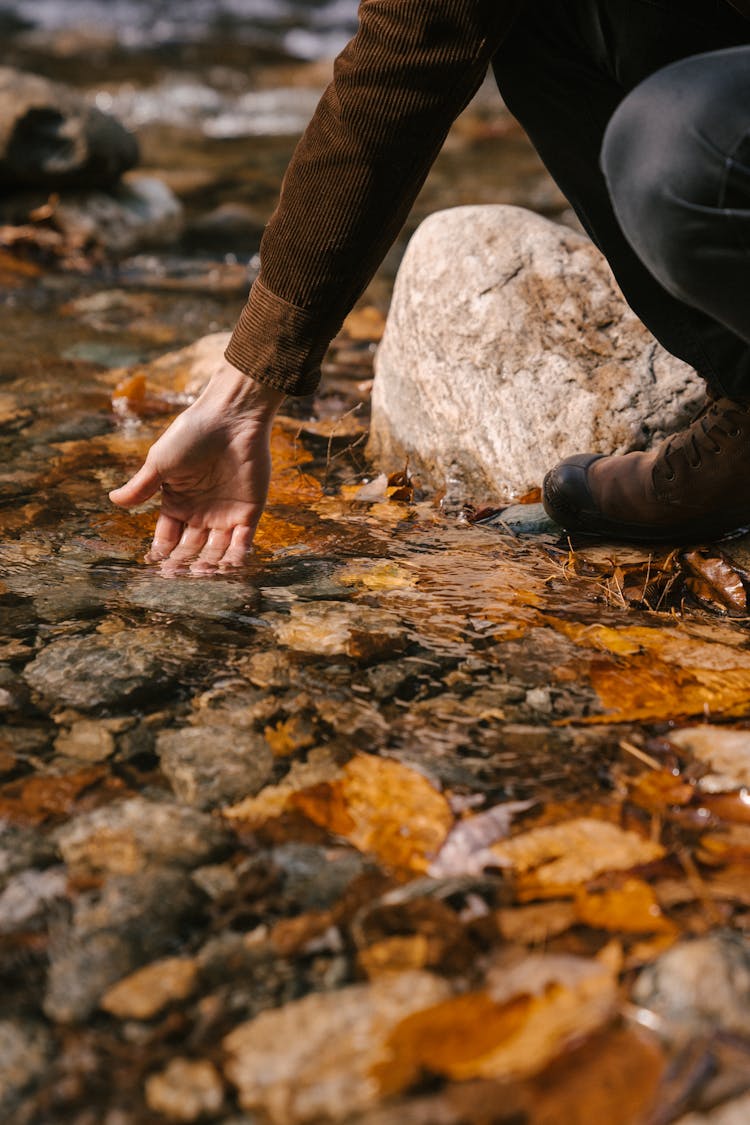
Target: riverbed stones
x: 51, y: 138
x: 209, y: 765
x: 700, y: 986
x: 140, y: 212
x: 102, y: 670
x: 508, y: 346
x: 206, y: 598
x: 146, y: 992
x: 111, y: 932
x: 121, y: 838
x: 25, y: 1050
x: 27, y: 897
x: 186, y: 1090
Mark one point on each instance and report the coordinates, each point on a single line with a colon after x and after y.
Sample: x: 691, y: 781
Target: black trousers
x: 640, y: 110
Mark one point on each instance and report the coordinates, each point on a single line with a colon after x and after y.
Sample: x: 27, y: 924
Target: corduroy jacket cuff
x: 280, y: 344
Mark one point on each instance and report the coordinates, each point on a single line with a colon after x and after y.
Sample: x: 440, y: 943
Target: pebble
x: 207, y: 598
x: 212, y: 765
x: 26, y: 897
x: 122, y: 837
x: 25, y: 1050
x: 112, y: 931
x: 185, y: 1090
x: 700, y: 986
x: 89, y: 740
x: 524, y: 519
x: 146, y: 992
x: 98, y: 670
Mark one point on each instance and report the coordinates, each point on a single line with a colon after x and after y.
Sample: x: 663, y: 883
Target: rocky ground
x: 426, y: 816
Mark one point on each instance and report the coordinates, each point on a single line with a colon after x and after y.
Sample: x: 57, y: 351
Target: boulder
x: 509, y: 346
x: 51, y: 138
x: 139, y: 212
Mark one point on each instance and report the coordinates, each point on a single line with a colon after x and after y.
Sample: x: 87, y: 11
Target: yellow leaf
x: 631, y: 908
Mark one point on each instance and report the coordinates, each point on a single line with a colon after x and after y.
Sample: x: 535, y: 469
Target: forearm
x: 397, y: 87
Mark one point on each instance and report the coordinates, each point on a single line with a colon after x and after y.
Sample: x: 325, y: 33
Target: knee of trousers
x: 664, y: 157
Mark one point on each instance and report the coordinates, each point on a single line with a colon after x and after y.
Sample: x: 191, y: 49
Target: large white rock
x: 509, y: 346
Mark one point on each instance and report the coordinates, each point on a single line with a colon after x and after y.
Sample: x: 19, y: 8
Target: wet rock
x: 27, y: 897
x: 217, y: 880
x: 89, y: 740
x: 700, y: 986
x: 25, y: 1051
x: 112, y: 931
x: 22, y: 848
x: 59, y: 593
x: 185, y: 1090
x: 272, y: 669
x: 211, y: 765
x: 206, y: 598
x: 52, y: 139
x: 140, y: 212
x: 100, y: 671
x: 232, y: 226
x: 339, y: 629
x: 505, y: 350
x: 315, y: 877
x: 187, y: 370
x: 523, y: 519
x: 146, y: 992
x: 121, y: 838
x: 332, y: 1042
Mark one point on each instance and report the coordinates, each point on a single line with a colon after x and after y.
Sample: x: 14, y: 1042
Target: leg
x: 563, y: 72
x: 677, y: 160
x: 676, y: 157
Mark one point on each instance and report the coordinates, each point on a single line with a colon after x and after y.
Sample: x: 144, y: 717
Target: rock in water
x: 141, y: 211
x: 509, y: 346
x: 103, y: 670
x: 51, y: 138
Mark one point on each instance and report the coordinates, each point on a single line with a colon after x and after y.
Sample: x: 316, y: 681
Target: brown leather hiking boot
x: 694, y: 485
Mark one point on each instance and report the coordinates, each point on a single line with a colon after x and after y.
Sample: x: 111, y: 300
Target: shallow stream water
x: 283, y: 786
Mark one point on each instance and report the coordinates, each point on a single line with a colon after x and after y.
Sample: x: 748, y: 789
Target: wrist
x: 230, y: 390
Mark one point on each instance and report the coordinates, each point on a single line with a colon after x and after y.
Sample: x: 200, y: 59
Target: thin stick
x: 641, y: 755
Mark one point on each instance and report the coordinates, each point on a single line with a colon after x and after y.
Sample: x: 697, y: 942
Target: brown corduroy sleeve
x: 397, y: 88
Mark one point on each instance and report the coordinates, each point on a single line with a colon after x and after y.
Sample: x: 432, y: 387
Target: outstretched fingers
x: 240, y: 544
x: 167, y: 535
x: 213, y: 552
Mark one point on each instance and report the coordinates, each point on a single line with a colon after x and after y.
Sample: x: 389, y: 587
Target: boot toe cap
x: 566, y: 494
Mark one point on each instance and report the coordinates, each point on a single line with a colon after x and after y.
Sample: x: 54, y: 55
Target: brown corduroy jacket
x: 397, y: 88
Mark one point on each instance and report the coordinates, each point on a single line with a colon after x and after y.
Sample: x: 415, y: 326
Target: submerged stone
x: 187, y: 1089
x: 25, y: 1051
x: 207, y: 598
x: 103, y: 670
x: 212, y: 765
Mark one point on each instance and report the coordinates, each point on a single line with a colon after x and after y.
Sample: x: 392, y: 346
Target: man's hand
x: 213, y: 465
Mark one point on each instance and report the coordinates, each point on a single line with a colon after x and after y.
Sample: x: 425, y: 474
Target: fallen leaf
x: 566, y: 855
x: 631, y: 908
x: 384, y: 808
x: 331, y: 1043
x: 36, y: 799
x: 725, y: 752
x: 719, y: 582
x: 290, y: 735
x: 513, y: 1028
x: 273, y: 800
x: 367, y: 323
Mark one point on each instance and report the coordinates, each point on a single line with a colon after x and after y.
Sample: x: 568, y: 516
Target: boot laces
x: 703, y: 435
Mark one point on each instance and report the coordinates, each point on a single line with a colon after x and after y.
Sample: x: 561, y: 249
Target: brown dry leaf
x: 671, y: 671
x: 272, y: 801
x: 566, y: 855
x: 290, y: 735
x: 614, y: 1078
x: 536, y: 923
x: 631, y: 908
x: 36, y: 799
x: 398, y: 954
x: 659, y: 789
x: 384, y: 808
x: 312, y: 1059
x: 367, y: 323
x: 523, y: 1019
x: 724, y: 587
x: 380, y: 574
x: 728, y: 845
